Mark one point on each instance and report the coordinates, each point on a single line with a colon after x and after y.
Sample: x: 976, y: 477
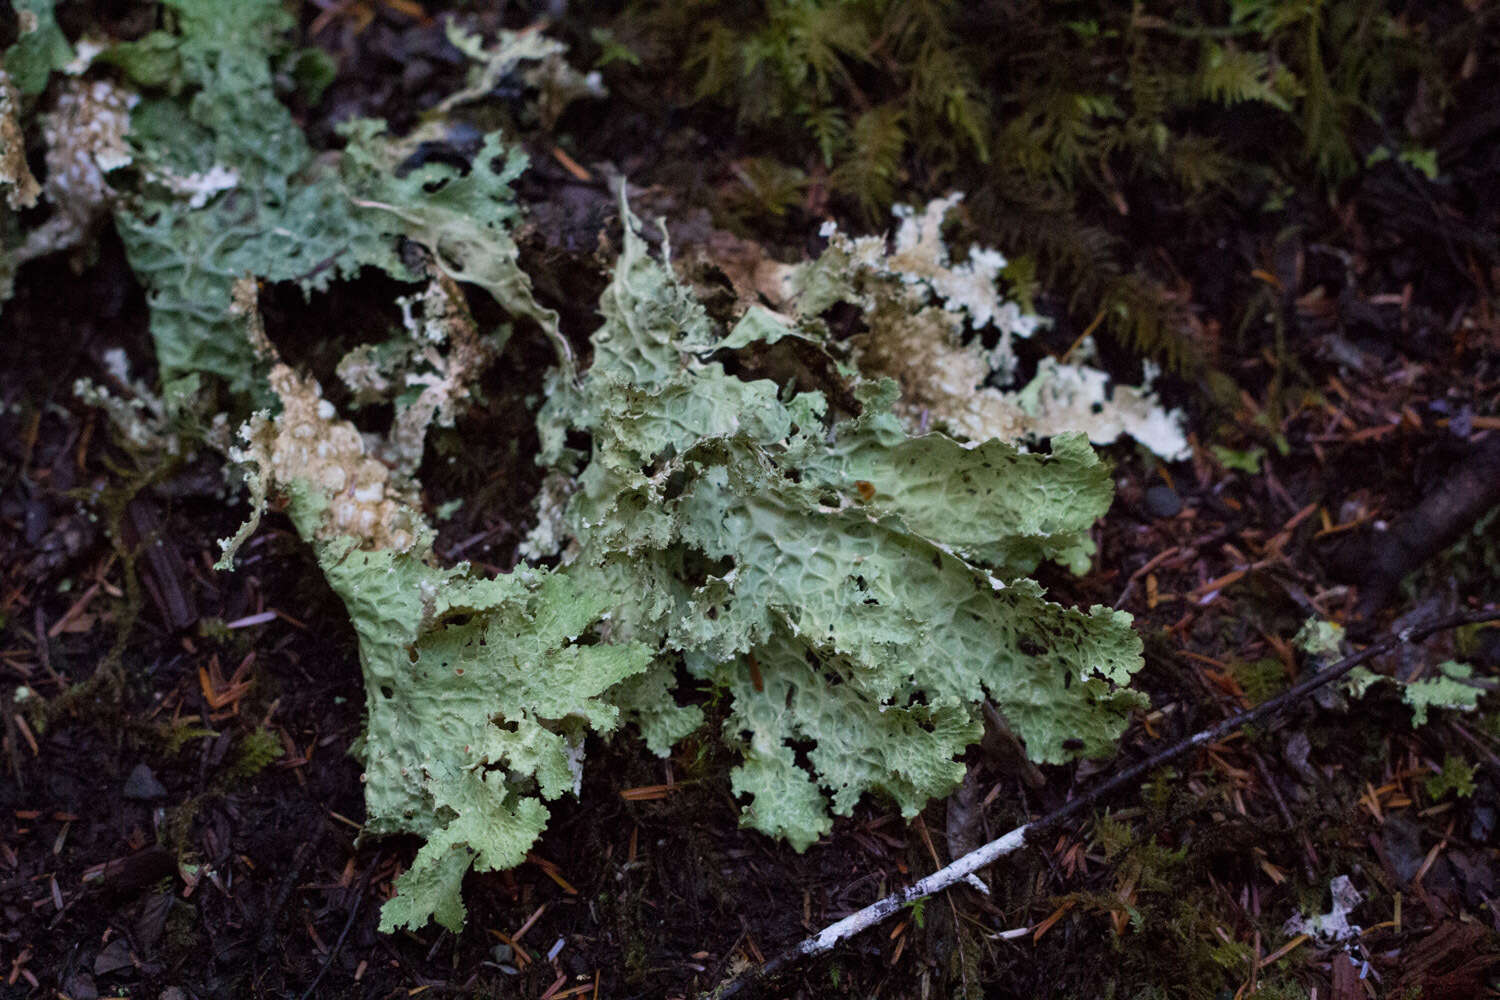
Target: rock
x: 80, y: 986
x: 1482, y: 818
x: 1402, y: 840
x: 113, y: 957
x: 143, y: 786
x: 1163, y: 501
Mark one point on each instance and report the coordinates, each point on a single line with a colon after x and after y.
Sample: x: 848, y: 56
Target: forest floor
x: 180, y: 815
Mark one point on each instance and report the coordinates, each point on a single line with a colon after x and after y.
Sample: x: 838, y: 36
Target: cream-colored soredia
x: 344, y: 492
x: 351, y: 485
x: 85, y: 135
x: 310, y: 444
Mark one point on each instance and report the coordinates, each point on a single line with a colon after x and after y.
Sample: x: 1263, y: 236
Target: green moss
x: 184, y: 933
x: 214, y: 629
x: 1055, y: 117
x: 176, y: 828
x: 172, y: 737
x: 1148, y: 915
x: 1260, y: 679
x: 253, y: 751
x: 1457, y: 776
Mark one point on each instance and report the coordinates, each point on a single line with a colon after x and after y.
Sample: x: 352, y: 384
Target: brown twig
x: 1379, y: 561
x: 1131, y: 776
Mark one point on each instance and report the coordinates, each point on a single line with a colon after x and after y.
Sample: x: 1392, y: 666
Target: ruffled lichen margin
x: 856, y: 589
x: 858, y: 593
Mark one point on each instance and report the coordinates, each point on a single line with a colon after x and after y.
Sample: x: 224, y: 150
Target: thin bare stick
x: 958, y: 871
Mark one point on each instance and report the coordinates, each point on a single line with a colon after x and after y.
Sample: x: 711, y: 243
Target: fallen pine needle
x: 26, y: 732
x: 522, y: 956
x: 551, y: 871
x: 1284, y: 950
x: 571, y: 165
x: 1046, y: 925
x: 645, y: 793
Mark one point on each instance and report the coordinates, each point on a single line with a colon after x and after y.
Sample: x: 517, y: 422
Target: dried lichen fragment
x: 85, y: 135
x: 922, y: 313
x: 147, y: 420
x: 910, y: 276
x: 942, y: 381
x: 548, y: 537
x: 439, y: 358
x: 22, y: 188
x: 529, y: 55
x: 971, y: 287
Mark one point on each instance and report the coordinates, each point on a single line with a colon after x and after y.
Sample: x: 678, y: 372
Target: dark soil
x: 149, y: 846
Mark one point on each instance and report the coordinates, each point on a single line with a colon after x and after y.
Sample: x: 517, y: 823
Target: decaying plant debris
x: 699, y: 600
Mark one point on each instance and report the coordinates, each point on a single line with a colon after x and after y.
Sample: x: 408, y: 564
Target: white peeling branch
x: 969, y: 864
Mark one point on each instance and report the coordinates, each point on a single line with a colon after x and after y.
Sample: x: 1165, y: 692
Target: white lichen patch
x: 85, y: 136
x: 971, y: 287
x: 1077, y: 397
x: 197, y: 188
x: 1332, y: 927
x: 528, y: 55
x: 141, y: 416
x: 913, y: 271
x: 547, y: 538
x: 925, y: 315
x: 85, y: 50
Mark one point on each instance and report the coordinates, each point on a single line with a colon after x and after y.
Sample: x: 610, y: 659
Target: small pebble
x: 1481, y: 821
x: 113, y: 957
x: 1163, y: 501
x: 143, y: 786
x: 80, y: 986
